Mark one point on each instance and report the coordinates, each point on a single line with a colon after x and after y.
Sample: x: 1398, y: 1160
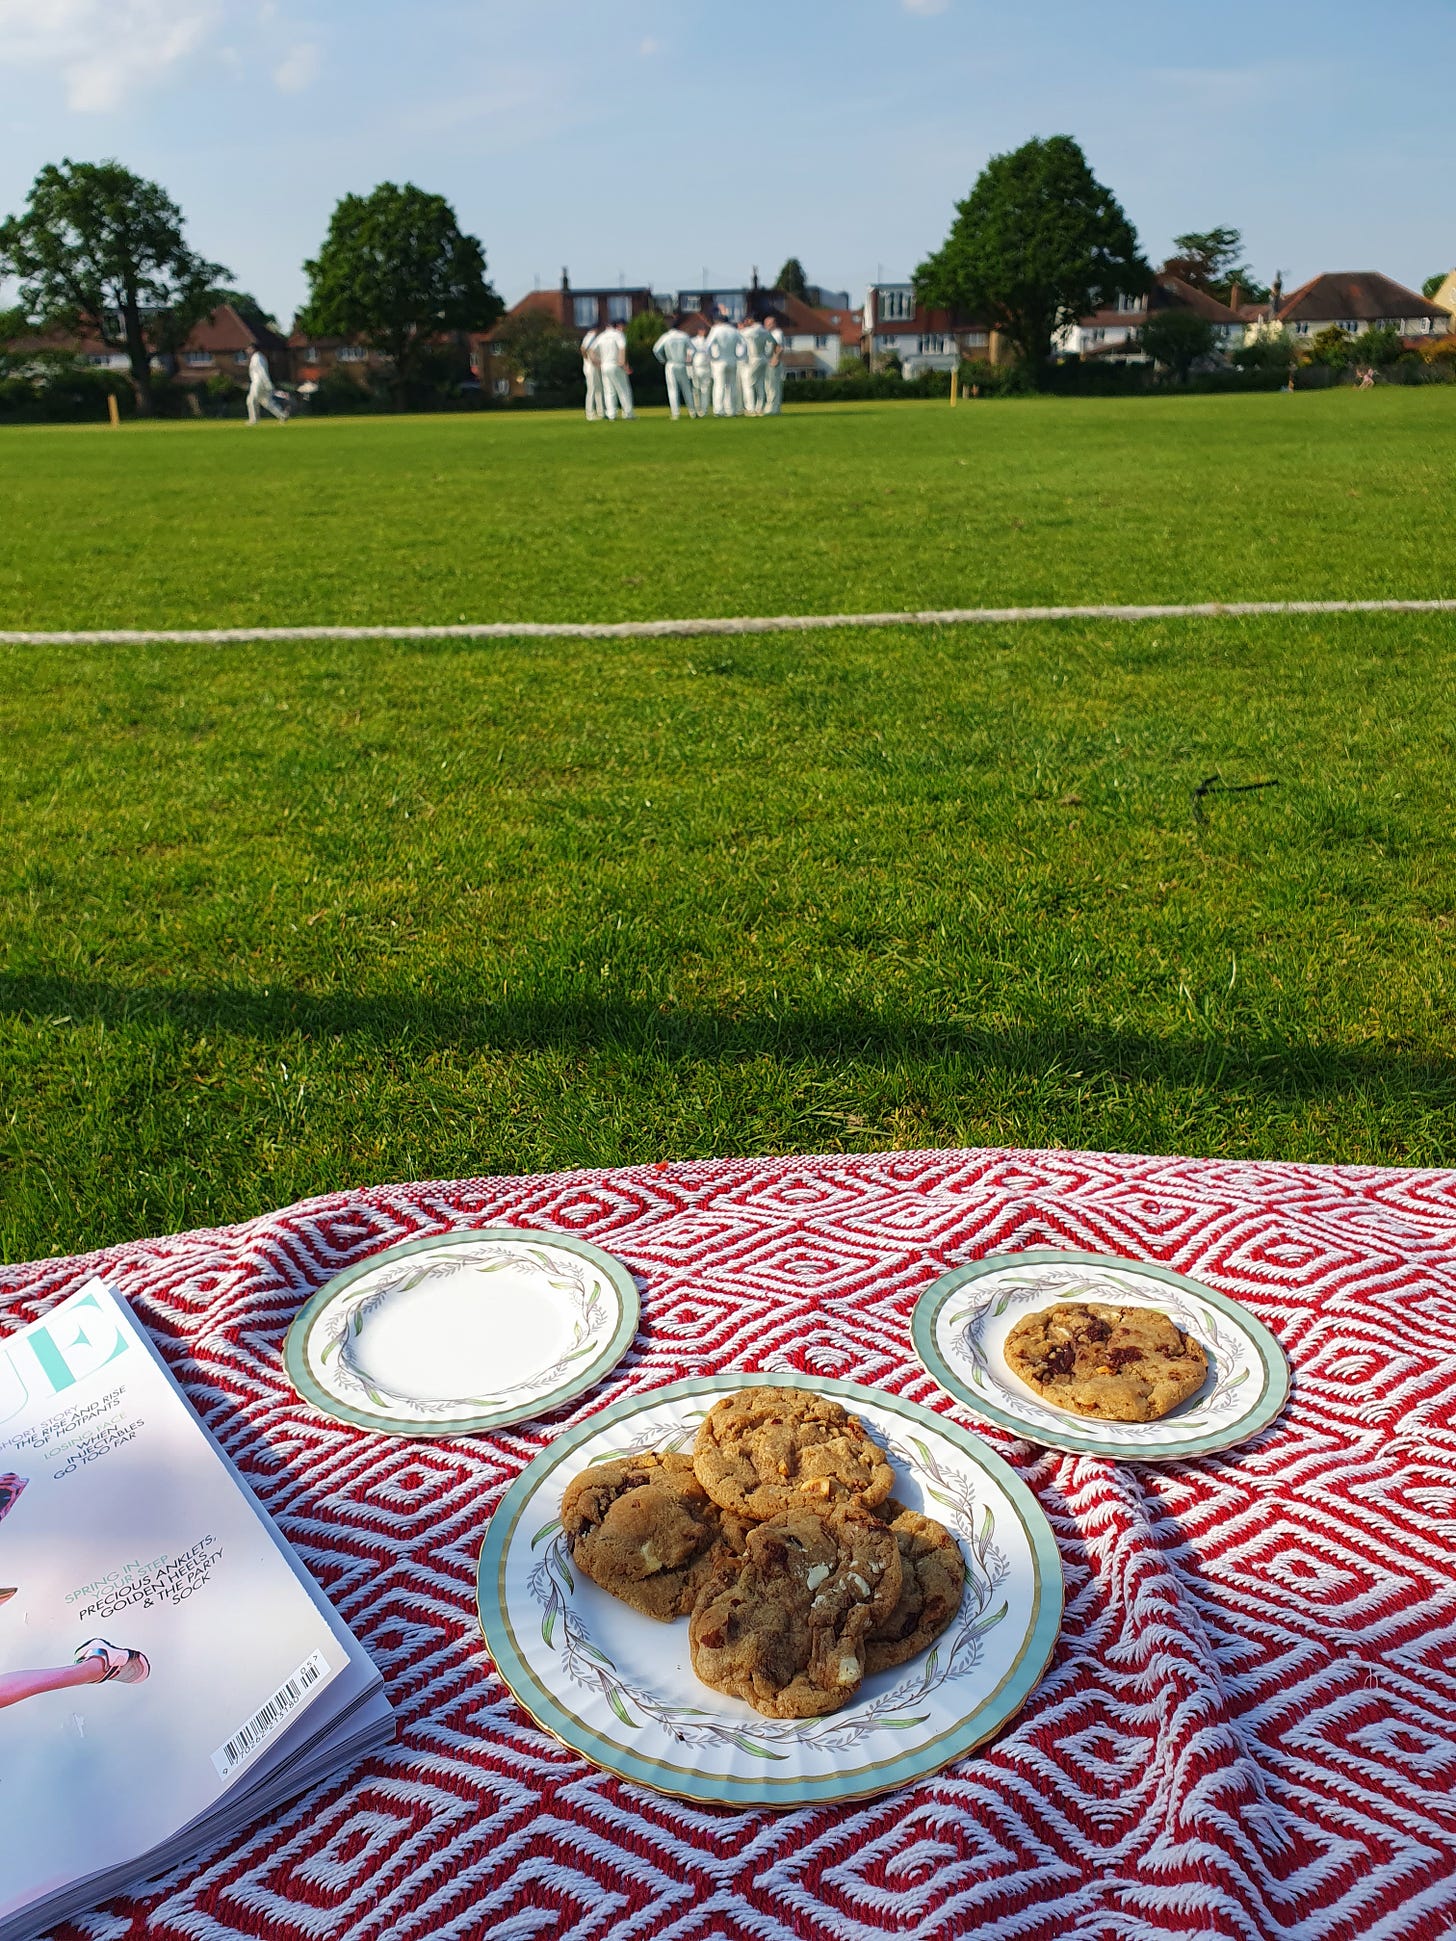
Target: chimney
x: 1276, y: 294
x: 565, y: 280
x: 755, y: 276
x: 1235, y: 296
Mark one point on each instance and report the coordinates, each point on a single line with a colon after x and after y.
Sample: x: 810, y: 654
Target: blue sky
x: 653, y: 141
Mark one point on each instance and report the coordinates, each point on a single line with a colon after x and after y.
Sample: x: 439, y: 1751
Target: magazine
x: 168, y: 1669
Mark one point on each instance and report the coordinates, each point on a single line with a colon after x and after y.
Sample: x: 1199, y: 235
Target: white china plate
x: 462, y: 1332
x: 961, y: 1323
x: 619, y: 1688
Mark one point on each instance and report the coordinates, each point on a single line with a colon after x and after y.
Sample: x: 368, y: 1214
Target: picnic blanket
x: 1249, y: 1725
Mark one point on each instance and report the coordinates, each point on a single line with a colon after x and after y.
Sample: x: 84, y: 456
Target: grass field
x: 278, y: 919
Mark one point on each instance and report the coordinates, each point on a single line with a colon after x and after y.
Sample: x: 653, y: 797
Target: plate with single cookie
x: 1101, y: 1356
x: 770, y: 1590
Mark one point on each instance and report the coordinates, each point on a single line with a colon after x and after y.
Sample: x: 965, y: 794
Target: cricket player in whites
x: 592, y: 372
x: 673, y: 351
x: 725, y: 347
x: 702, y: 363
x: 773, y: 370
x: 755, y: 355
x: 260, y: 389
x: 610, y: 351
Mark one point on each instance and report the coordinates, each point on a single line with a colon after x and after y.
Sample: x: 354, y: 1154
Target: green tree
x: 792, y: 280
x: 1176, y: 339
x: 1433, y: 283
x: 1038, y: 243
x: 397, y: 272
x: 99, y: 248
x: 541, y: 352
x: 1209, y: 260
x: 1378, y: 346
x: 649, y: 380
x: 1273, y: 349
x: 247, y: 306
x: 1330, y: 346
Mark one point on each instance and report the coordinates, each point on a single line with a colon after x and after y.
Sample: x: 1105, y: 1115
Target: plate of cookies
x: 769, y: 1590
x: 1101, y: 1356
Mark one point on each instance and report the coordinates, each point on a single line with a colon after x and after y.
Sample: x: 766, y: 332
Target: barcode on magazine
x: 267, y: 1719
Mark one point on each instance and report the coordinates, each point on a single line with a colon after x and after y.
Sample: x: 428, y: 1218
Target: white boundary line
x: 668, y: 629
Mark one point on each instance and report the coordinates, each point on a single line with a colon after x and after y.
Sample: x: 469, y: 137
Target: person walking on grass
x: 610, y: 351
x: 592, y: 372
x: 673, y: 350
x: 260, y: 388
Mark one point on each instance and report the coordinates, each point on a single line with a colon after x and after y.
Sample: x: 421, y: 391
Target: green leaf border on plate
x: 1264, y: 1410
x: 622, y: 1336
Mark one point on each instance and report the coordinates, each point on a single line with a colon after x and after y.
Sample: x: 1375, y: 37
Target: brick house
x: 924, y: 339
x: 1111, y: 333
x: 574, y: 312
x: 218, y: 346
x: 1359, y: 300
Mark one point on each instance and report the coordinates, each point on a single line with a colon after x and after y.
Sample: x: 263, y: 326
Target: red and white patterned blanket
x: 1249, y: 1725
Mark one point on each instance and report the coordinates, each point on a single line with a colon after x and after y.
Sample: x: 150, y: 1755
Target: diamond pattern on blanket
x: 1249, y: 1726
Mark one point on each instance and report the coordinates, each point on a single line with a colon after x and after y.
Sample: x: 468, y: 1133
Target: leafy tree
x: 792, y: 280
x: 97, y: 247
x: 248, y: 308
x: 1433, y: 283
x: 396, y: 271
x: 1038, y: 243
x: 540, y: 351
x: 1378, y: 346
x: 1273, y: 349
x: 1330, y: 346
x: 1176, y: 339
x: 852, y: 363
x: 1209, y: 260
x: 649, y: 380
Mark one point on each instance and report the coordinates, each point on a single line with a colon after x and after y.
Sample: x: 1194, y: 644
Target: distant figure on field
x: 260, y: 389
x: 592, y: 372
x: 702, y: 363
x: 725, y: 347
x: 673, y: 351
x: 773, y: 376
x: 610, y: 351
x: 755, y: 358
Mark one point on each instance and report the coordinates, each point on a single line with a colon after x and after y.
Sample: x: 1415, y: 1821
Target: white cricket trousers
x: 754, y: 371
x: 725, y: 390
x: 773, y: 389
x: 617, y: 390
x: 702, y: 391
x: 266, y: 399
x: 592, y: 374
x: 680, y: 390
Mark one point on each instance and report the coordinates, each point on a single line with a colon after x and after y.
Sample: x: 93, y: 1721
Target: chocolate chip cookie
x: 786, y: 1625
x: 645, y: 1529
x: 933, y: 1576
x: 1123, y: 1364
x: 767, y: 1451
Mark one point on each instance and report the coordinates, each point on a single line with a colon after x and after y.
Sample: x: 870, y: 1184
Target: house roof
x: 1362, y: 296
x: 800, y: 360
x: 226, y: 329
x: 1170, y: 292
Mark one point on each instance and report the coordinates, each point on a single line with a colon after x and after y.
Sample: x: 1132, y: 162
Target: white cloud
x: 103, y: 50
x: 925, y: 6
x: 298, y: 67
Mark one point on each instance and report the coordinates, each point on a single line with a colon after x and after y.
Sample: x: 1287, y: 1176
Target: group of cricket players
x: 722, y: 370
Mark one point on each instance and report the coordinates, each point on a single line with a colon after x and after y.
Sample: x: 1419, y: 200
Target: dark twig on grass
x: 1215, y: 783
